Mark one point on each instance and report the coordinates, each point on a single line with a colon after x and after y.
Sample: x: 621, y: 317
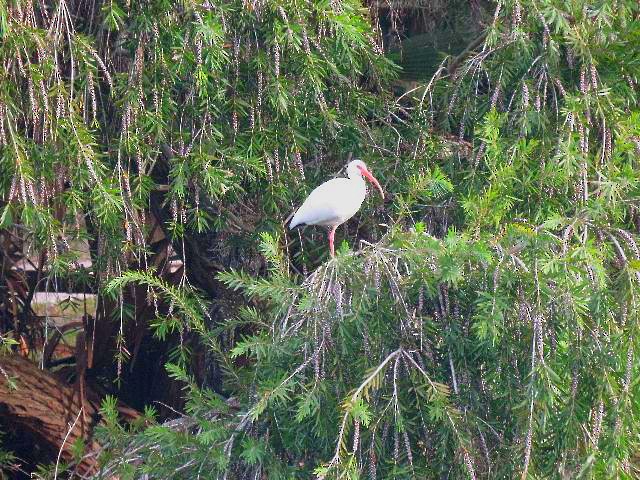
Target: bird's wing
x: 324, y: 206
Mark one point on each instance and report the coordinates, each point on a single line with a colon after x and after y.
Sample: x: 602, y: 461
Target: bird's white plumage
x: 332, y: 203
x: 336, y: 201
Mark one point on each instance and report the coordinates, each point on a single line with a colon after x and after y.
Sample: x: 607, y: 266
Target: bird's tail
x: 293, y: 221
x: 296, y: 223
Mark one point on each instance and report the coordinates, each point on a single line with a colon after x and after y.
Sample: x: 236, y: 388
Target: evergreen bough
x: 486, y: 329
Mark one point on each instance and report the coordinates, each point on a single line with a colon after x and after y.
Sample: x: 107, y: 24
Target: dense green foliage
x: 488, y: 328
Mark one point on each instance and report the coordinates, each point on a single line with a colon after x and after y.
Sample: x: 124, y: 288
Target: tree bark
x: 51, y: 411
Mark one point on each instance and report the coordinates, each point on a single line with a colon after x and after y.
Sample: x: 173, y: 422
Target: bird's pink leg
x: 332, y: 233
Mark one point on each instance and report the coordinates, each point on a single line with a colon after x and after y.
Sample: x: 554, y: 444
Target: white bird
x: 336, y: 201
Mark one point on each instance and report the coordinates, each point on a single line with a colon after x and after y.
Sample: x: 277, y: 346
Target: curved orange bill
x: 373, y: 180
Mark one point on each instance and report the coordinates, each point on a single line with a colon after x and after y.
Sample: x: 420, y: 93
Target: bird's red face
x: 369, y: 176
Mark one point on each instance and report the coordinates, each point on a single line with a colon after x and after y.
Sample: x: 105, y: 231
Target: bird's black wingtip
x: 299, y: 225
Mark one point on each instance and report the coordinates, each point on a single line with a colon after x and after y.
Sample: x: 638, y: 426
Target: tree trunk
x: 51, y: 411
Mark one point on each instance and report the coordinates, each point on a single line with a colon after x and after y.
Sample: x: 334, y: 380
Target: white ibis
x: 336, y: 201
